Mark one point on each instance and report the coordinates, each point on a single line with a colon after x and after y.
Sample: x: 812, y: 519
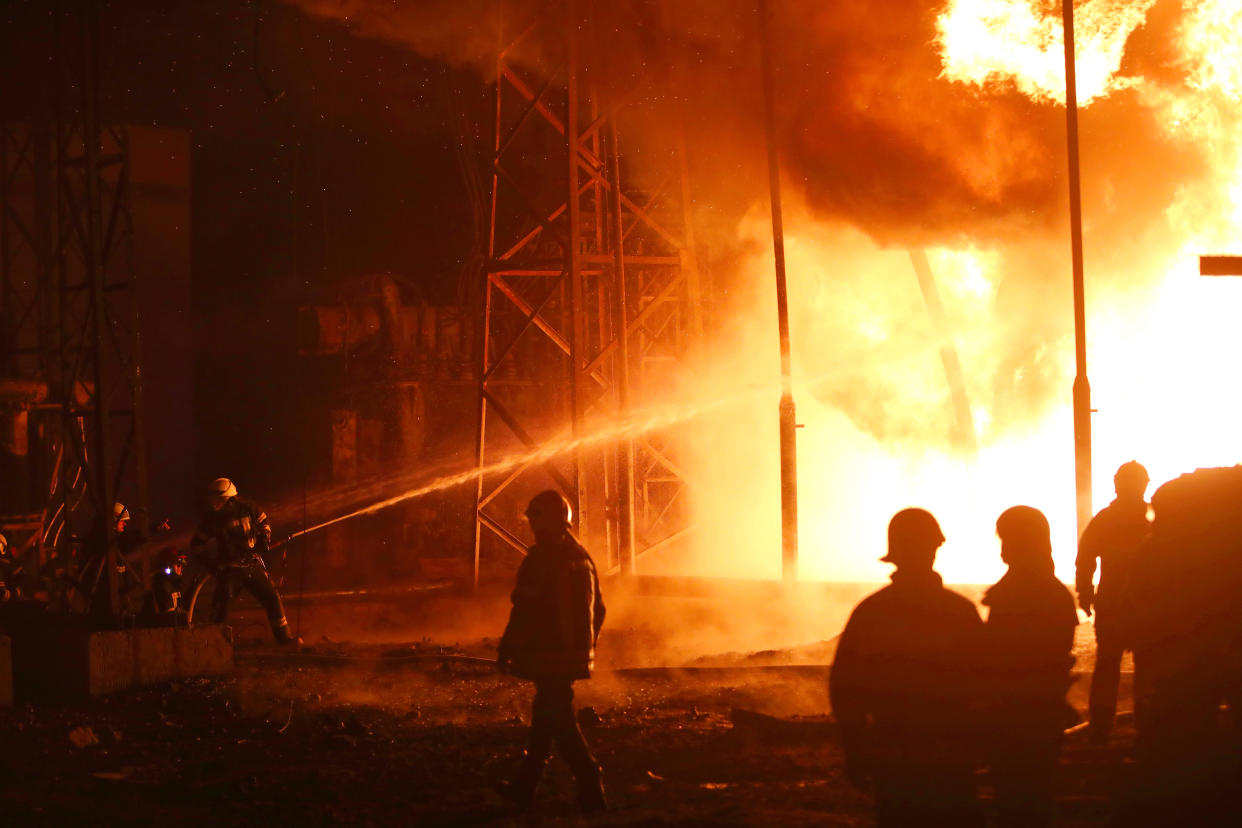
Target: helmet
x: 1024, y: 530
x: 222, y: 487
x: 4, y: 544
x: 119, y: 512
x: 170, y: 555
x: 549, y: 506
x: 912, y: 530
x: 1130, y: 474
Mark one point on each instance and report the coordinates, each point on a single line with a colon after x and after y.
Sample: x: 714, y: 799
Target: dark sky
x: 315, y: 157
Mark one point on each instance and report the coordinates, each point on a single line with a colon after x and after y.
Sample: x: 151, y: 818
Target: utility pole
x: 788, y: 413
x: 1082, y: 388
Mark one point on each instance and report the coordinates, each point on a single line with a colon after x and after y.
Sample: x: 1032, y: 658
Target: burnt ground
x: 380, y: 733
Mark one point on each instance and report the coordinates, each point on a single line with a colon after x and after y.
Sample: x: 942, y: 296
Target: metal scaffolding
x: 591, y: 296
x: 69, y: 302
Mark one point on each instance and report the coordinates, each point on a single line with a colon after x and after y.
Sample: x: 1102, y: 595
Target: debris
x: 655, y: 776
x: 765, y: 727
x: 83, y: 737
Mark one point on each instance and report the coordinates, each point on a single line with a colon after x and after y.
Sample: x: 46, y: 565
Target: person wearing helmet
x: 130, y: 537
x: 550, y: 639
x: 904, y: 687
x: 10, y: 572
x: 168, y: 586
x: 1112, y: 538
x: 230, y: 541
x: 1029, y: 636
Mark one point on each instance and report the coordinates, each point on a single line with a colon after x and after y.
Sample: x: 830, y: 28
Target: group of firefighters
x: 230, y: 543
x: 925, y: 693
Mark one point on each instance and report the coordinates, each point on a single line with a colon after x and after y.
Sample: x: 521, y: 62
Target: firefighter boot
x: 521, y: 791
x: 283, y: 637
x: 591, y: 797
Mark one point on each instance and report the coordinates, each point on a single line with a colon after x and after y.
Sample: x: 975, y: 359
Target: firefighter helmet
x: 549, y: 506
x: 119, y: 512
x: 220, y: 492
x: 1131, y: 474
x: 222, y: 487
x: 1024, y: 534
x: 170, y: 555
x: 912, y: 530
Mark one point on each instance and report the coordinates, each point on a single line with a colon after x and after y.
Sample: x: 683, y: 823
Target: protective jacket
x: 1030, y: 635
x: 240, y: 529
x: 10, y: 574
x: 903, y: 685
x: 557, y: 613
x: 1112, y: 537
x: 167, y: 590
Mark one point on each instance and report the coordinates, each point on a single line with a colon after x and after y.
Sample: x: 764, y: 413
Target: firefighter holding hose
x: 240, y: 533
x: 550, y: 639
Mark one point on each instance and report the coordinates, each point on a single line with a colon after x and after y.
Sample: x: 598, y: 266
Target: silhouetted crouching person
x: 1030, y: 635
x: 1113, y: 538
x: 550, y: 639
x: 904, y: 687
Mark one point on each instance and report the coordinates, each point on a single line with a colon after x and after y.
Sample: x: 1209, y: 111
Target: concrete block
x: 6, y: 671
x: 203, y: 650
x: 75, y: 663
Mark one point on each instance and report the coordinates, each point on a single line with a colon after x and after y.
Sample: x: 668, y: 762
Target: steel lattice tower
x: 591, y: 295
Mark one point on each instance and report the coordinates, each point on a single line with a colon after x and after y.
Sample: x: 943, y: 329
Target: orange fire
x: 1163, y: 342
x: 1021, y: 42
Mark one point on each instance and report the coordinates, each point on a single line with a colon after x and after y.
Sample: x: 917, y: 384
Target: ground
x: 380, y: 733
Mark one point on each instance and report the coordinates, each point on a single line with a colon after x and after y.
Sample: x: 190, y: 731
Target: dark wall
x: 313, y: 156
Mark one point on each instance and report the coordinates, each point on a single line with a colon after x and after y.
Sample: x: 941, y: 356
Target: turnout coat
x: 557, y: 613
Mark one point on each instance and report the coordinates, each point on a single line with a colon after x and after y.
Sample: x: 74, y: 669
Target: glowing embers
x: 1020, y: 44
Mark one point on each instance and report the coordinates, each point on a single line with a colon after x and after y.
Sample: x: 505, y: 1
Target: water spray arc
x: 620, y: 433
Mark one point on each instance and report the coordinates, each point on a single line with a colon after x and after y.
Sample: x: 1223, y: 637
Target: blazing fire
x: 1162, y: 340
x: 1021, y: 42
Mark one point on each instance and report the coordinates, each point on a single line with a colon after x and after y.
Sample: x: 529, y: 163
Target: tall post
x: 788, y: 414
x: 1082, y: 388
x: 94, y: 272
x: 621, y: 314
x: 573, y: 258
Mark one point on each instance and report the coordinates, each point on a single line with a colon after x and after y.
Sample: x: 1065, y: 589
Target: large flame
x: 1163, y: 342
x: 1021, y: 42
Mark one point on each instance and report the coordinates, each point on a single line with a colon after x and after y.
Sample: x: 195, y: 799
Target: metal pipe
x: 965, y: 437
x: 1082, y: 388
x: 788, y: 413
x: 625, y: 448
x: 105, y: 527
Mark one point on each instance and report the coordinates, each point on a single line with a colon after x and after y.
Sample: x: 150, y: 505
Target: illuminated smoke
x: 936, y: 125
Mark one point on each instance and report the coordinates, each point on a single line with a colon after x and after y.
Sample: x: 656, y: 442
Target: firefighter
x: 904, y: 690
x: 1113, y: 538
x: 168, y: 586
x: 550, y: 639
x: 1187, y: 642
x: 240, y: 534
x: 1029, y: 635
x: 10, y: 572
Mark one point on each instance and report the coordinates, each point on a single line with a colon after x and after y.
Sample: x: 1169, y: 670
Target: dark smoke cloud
x: 870, y: 132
